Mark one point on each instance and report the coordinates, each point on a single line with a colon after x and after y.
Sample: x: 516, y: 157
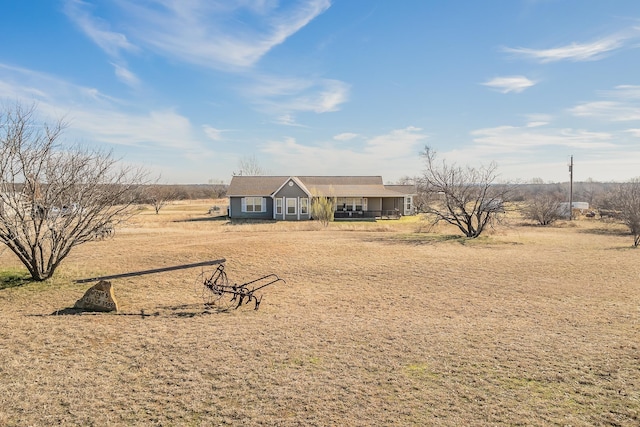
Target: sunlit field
x: 378, y: 323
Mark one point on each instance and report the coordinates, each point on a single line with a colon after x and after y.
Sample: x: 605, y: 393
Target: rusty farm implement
x: 216, y: 291
x: 213, y: 287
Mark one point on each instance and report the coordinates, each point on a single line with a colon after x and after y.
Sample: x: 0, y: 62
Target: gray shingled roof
x: 338, y: 186
x: 402, y: 188
x: 255, y: 185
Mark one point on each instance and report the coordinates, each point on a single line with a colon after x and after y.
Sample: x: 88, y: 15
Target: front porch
x: 371, y: 208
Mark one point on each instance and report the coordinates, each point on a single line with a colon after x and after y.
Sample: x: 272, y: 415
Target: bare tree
x: 158, y: 196
x: 626, y: 200
x: 52, y: 199
x: 467, y: 197
x: 250, y: 166
x: 544, y: 207
x: 406, y: 180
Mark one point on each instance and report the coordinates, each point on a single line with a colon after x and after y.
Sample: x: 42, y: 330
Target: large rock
x: 98, y: 298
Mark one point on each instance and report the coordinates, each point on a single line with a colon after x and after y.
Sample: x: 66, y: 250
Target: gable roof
x: 337, y: 186
x: 297, y: 182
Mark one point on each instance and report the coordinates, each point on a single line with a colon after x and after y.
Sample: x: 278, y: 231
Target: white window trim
x: 307, y: 205
x: 295, y: 206
x: 263, y: 204
x: 279, y: 201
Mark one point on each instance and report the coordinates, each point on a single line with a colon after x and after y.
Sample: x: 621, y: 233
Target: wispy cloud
x: 510, y: 83
x: 95, y: 117
x: 536, y: 124
x: 346, y: 136
x: 209, y: 33
x: 576, y: 51
x: 212, y: 133
x: 227, y: 35
x: 622, y: 104
x: 333, y: 94
x: 14, y: 83
x: 607, y: 110
x: 53, y: 95
x: 98, y: 30
x: 157, y: 129
x: 287, y: 120
x: 125, y: 75
x: 111, y: 42
x: 284, y: 96
x: 395, y: 153
x: 623, y: 92
x: 535, y: 120
x: 513, y: 147
x: 505, y: 139
x: 397, y: 143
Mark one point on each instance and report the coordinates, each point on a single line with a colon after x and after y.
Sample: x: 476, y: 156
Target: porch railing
x: 370, y: 214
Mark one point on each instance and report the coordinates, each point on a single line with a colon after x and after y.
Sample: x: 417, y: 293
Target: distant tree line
x: 159, y: 195
x: 172, y: 192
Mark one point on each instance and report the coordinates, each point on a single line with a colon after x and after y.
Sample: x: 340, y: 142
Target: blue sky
x: 188, y: 88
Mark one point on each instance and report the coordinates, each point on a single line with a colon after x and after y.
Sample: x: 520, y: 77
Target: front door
x: 408, y: 205
x: 291, y: 208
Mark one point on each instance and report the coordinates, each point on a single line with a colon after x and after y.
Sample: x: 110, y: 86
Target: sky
x: 192, y: 88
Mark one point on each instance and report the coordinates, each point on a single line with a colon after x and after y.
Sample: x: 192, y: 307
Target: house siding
x: 235, y: 207
x: 292, y: 192
x: 374, y: 203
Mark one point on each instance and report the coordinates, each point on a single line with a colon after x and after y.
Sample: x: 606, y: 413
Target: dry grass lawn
x: 376, y: 325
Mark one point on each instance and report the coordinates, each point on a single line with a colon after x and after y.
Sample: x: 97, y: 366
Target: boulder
x: 99, y: 297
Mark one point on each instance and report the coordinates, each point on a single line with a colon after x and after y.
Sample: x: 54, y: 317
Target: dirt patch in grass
x: 367, y: 330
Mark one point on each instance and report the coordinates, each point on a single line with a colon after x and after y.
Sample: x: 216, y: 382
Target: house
x: 289, y: 198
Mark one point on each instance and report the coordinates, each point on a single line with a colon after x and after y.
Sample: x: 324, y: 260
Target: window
x: 351, y: 204
x: 253, y: 204
x: 291, y: 206
x: 408, y: 204
x: 278, y: 206
x: 304, y: 206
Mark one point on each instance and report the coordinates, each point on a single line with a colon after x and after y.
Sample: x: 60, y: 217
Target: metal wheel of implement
x: 210, y: 286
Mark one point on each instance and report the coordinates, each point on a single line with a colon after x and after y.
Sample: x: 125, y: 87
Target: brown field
x: 377, y: 325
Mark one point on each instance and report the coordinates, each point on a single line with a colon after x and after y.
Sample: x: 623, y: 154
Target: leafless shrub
x: 54, y: 198
x: 544, y: 208
x: 626, y: 201
x: 466, y: 197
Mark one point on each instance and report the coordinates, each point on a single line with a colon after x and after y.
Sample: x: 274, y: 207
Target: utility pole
x: 571, y: 189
